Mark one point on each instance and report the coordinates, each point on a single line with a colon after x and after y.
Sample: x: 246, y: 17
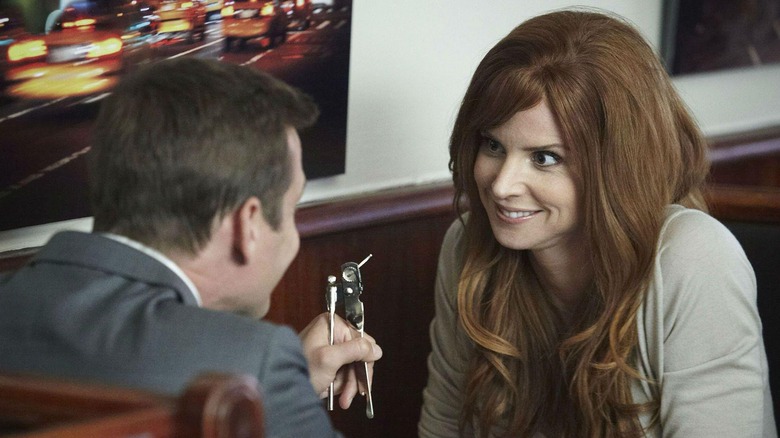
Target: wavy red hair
x: 636, y: 150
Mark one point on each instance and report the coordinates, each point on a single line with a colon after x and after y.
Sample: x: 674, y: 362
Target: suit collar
x: 160, y: 257
x: 102, y: 253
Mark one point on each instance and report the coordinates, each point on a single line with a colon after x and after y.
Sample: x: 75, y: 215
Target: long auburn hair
x: 636, y: 149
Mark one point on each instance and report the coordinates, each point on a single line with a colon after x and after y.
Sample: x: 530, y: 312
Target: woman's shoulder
x: 694, y: 245
x: 455, y: 233
x: 451, y: 255
x: 694, y: 232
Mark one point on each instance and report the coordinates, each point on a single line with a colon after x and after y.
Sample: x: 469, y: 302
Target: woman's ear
x: 247, y: 229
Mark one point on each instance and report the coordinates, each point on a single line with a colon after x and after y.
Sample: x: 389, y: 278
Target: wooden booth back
x: 214, y: 405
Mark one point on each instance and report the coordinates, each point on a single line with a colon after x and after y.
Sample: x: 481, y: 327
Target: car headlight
x: 84, y: 22
x: 27, y: 50
x: 106, y: 47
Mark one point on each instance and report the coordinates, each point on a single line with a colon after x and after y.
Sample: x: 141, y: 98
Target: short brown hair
x: 182, y: 142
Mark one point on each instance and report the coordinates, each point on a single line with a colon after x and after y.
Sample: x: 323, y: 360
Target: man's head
x: 182, y: 143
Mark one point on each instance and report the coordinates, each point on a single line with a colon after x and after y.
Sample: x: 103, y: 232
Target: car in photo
x: 181, y: 19
x: 213, y: 8
x: 298, y: 13
x: 90, y: 44
x: 12, y: 29
x: 321, y: 6
x: 246, y: 20
x: 330, y: 6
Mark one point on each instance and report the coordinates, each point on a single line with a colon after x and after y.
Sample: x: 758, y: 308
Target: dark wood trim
x: 741, y: 146
x: 360, y: 211
x: 10, y: 260
x: 741, y: 152
x: 744, y: 203
x: 745, y: 138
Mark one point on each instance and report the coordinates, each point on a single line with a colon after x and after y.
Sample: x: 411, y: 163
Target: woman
x: 587, y: 292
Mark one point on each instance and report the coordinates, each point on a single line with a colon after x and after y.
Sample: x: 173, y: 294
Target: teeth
x: 516, y: 214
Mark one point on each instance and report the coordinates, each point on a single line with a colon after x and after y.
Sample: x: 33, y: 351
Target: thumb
x: 356, y: 350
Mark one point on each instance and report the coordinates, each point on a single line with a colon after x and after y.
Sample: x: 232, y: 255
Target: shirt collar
x: 160, y: 257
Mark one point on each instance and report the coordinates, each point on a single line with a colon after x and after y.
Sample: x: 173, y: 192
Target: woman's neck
x: 565, y: 276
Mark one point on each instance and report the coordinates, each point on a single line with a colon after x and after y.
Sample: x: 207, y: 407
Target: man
x: 195, y: 174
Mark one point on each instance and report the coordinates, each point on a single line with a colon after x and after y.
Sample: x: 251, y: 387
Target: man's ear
x: 247, y: 229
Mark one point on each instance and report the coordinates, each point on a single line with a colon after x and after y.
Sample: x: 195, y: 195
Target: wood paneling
x: 398, y: 294
x: 754, y: 171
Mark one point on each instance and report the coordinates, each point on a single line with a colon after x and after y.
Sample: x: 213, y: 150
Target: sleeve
x: 291, y: 407
x: 450, y: 347
x: 714, y: 374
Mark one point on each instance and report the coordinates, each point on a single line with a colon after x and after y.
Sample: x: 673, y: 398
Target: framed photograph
x: 55, y: 71
x: 708, y: 35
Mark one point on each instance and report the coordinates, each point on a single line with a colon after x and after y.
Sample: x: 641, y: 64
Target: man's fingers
x: 349, y: 389
x: 328, y: 363
x: 358, y: 350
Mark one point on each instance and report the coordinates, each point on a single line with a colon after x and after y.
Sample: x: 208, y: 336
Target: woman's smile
x: 526, y: 186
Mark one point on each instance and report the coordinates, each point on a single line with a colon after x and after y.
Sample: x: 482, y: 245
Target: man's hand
x: 337, y: 362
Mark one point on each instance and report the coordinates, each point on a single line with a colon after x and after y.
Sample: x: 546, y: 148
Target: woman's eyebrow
x: 561, y: 146
x: 485, y: 133
x: 545, y: 147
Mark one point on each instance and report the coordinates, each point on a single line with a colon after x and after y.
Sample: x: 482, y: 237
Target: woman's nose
x: 511, y: 180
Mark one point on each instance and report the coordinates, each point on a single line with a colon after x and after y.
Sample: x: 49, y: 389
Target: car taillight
x: 106, y: 47
x: 85, y: 22
x: 27, y: 50
x: 227, y: 11
x: 268, y: 9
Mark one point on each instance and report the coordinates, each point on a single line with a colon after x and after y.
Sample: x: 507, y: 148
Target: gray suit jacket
x: 90, y: 308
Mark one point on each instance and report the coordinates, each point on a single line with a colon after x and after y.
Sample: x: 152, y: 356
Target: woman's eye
x: 491, y: 145
x: 545, y: 158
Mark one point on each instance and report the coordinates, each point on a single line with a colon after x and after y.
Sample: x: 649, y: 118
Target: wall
x: 411, y: 62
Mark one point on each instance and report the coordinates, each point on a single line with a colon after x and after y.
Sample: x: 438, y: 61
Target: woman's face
x: 526, y: 184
